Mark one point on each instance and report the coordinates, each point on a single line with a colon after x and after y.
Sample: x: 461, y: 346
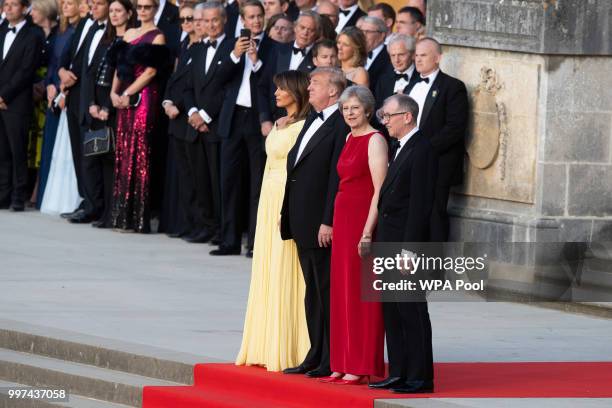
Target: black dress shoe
x: 216, y: 241
x: 70, y: 214
x: 296, y: 370
x: 414, y: 387
x: 249, y: 253
x: 388, y: 382
x: 81, y: 219
x: 318, y: 373
x: 179, y: 234
x: 17, y: 207
x: 99, y: 224
x: 224, y: 250
x: 199, y: 238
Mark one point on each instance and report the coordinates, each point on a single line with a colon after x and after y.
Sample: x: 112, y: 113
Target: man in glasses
x: 404, y: 207
x: 375, y: 32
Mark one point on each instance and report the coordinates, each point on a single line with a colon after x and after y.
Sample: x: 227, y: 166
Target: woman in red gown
x: 356, y: 327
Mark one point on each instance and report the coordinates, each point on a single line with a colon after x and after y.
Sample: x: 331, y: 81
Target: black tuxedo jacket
x: 233, y: 14
x: 312, y: 182
x: 265, y: 53
x: 293, y: 11
x: 406, y: 196
x: 381, y: 64
x: 175, y: 92
x: 444, y: 122
x: 206, y: 91
x: 386, y: 83
x: 169, y: 24
x: 268, y: 110
x: 18, y: 68
x: 88, y: 75
x: 356, y: 16
x: 72, y: 60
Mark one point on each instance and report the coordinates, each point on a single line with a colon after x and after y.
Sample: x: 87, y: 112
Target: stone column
x: 539, y: 75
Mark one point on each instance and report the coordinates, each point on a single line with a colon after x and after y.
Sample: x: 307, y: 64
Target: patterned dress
x: 135, y: 125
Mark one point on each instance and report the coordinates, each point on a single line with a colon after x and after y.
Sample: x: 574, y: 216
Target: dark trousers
x: 76, y: 131
x: 438, y: 229
x: 97, y: 182
x: 13, y: 157
x: 193, y: 163
x: 408, y: 335
x: 244, y: 136
x: 315, y: 263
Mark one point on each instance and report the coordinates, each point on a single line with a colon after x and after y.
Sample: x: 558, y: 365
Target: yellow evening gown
x: 275, y: 333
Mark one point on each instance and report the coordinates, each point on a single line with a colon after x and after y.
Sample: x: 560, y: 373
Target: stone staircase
x: 94, y: 375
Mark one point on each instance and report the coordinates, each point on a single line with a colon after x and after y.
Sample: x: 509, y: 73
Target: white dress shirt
x: 95, y: 41
x: 244, y: 93
x: 401, y: 83
x: 160, y: 10
x: 404, y: 140
x: 375, y: 53
x: 210, y: 55
x: 10, y: 37
x: 86, y: 28
x: 312, y: 129
x: 420, y: 91
x: 342, y: 19
x: 297, y: 58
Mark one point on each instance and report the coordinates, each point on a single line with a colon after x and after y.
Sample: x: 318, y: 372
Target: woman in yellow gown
x: 275, y: 333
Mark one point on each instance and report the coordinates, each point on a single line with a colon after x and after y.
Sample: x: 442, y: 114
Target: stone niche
x: 539, y: 149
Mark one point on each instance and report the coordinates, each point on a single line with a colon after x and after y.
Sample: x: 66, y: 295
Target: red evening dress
x: 356, y: 327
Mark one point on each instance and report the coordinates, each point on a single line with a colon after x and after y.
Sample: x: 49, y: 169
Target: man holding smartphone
x: 240, y: 131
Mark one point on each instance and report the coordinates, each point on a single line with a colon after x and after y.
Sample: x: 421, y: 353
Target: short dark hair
x: 387, y: 10
x: 324, y: 43
x: 414, y: 12
x: 254, y: 3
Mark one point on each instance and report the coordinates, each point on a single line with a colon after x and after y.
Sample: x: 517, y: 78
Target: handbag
x: 98, y: 142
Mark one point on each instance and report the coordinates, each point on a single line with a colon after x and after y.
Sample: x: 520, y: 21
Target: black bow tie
x: 400, y: 76
x: 13, y: 29
x: 394, y: 144
x: 213, y: 44
x: 257, y: 41
x: 345, y: 12
x: 321, y: 116
x: 300, y: 50
x: 426, y: 80
x: 370, y: 54
x: 101, y: 26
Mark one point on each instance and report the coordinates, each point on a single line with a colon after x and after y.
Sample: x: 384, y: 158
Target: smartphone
x: 245, y: 32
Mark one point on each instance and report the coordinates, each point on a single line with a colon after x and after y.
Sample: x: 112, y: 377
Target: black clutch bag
x: 98, y: 142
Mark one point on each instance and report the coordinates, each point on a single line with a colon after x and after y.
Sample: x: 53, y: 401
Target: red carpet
x: 229, y: 386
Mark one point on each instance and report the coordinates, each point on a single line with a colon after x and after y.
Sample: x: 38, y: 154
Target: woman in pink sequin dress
x: 136, y: 96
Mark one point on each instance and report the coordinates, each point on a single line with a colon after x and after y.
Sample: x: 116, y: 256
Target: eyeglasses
x: 146, y: 7
x: 366, y: 32
x: 188, y: 19
x: 385, y: 117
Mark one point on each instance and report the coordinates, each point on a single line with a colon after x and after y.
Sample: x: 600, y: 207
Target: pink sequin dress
x: 135, y: 125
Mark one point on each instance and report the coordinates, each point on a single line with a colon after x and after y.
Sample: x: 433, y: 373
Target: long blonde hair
x: 64, y: 23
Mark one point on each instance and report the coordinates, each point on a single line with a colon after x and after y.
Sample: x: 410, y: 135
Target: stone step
x: 106, y: 353
x: 80, y: 379
x: 75, y: 401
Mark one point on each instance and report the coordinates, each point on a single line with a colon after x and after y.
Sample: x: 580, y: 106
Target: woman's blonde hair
x: 358, y: 43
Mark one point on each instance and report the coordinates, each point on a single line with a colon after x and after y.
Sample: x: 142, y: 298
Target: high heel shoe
x: 330, y: 379
x: 356, y: 381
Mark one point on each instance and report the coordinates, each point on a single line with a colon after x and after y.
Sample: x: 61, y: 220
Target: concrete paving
x: 167, y: 294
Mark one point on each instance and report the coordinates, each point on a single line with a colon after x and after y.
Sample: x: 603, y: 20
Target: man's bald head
x: 427, y: 56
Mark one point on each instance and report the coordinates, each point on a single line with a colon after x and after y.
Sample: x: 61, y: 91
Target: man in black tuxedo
x: 167, y: 20
x: 350, y: 13
x: 404, y: 207
x: 378, y: 62
x: 308, y: 205
x: 443, y: 119
x: 96, y: 193
x: 204, y: 90
x: 69, y: 73
x: 20, y: 51
x: 239, y: 130
x: 401, y: 72
x: 295, y: 56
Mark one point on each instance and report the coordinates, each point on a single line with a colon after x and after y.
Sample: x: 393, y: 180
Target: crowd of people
x: 309, y: 128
